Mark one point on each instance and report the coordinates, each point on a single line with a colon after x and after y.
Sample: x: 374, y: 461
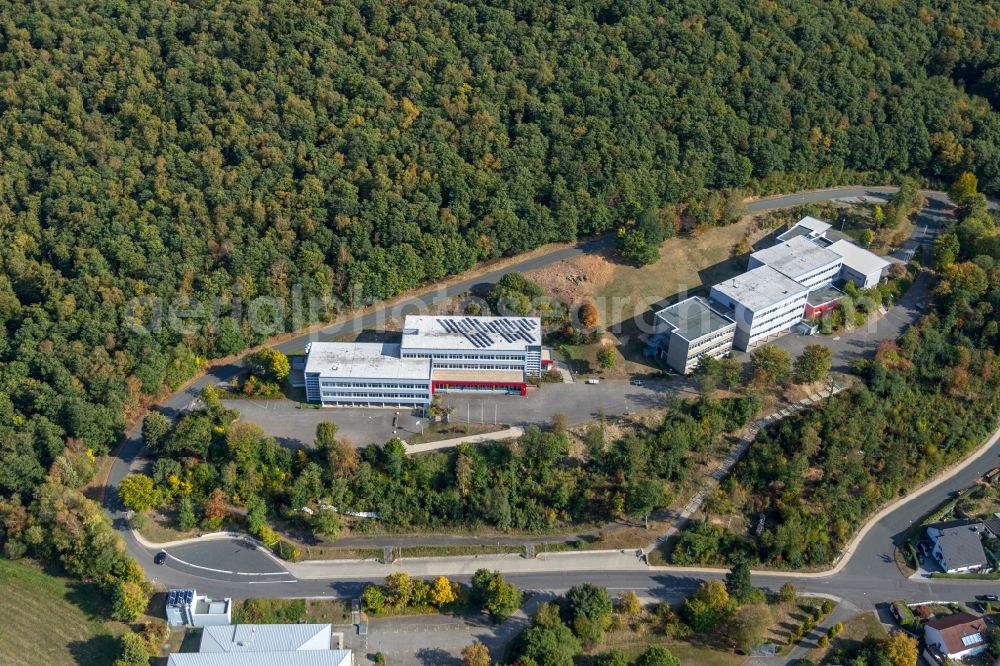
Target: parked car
x: 637, y: 382
x: 160, y: 558
x: 987, y: 597
x: 593, y: 380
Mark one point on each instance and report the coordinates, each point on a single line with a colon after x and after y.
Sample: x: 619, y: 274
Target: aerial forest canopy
x: 357, y: 149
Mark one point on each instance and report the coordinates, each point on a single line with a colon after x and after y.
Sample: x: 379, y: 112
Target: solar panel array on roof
x: 480, y: 334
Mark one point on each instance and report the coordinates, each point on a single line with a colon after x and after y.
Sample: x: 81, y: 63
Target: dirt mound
x: 574, y: 280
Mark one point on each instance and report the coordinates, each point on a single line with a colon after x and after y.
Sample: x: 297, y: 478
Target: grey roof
x: 760, y: 288
x: 283, y: 658
x: 793, y: 232
x: 367, y: 360
x: 993, y: 524
x: 824, y: 295
x: 265, y: 637
x: 460, y: 333
x: 693, y: 318
x: 796, y: 257
x: 961, y: 545
x: 858, y: 258
x: 813, y: 224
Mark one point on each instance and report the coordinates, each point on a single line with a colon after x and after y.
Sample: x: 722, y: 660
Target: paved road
x: 868, y: 578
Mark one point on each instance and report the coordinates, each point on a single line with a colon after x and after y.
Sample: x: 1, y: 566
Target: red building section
x: 479, y: 386
x: 820, y: 309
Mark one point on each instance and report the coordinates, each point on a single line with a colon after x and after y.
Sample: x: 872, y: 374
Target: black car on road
x: 160, y: 558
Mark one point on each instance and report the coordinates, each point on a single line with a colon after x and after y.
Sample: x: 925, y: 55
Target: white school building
x: 435, y: 355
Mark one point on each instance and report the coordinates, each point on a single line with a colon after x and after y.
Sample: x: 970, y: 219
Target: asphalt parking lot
x: 296, y: 427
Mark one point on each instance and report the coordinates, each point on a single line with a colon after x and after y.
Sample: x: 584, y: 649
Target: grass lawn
x: 632, y: 643
x: 789, y: 616
x: 856, y: 630
x: 49, y: 620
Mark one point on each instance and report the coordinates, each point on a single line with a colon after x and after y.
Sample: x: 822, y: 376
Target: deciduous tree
x: 813, y: 364
x: 138, y: 493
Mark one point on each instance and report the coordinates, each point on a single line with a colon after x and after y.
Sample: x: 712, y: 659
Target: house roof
x: 282, y: 658
x: 364, y: 360
x: 961, y: 546
x: 993, y: 524
x: 857, y: 258
x: 265, y: 637
x: 797, y: 257
x: 693, y: 318
x: 960, y: 631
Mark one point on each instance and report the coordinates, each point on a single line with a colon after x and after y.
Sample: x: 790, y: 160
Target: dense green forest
x: 353, y: 150
x: 926, y: 400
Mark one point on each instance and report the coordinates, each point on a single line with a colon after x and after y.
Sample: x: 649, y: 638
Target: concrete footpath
x: 727, y: 464
x: 509, y: 433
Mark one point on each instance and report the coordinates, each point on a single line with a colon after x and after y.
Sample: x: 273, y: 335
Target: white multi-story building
x: 762, y: 302
x: 693, y: 330
x: 863, y: 268
x: 437, y: 354
x: 802, y: 260
x: 365, y: 374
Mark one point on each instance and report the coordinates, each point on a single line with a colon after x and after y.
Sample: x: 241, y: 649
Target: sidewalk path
x: 466, y: 565
x: 727, y: 464
x: 509, y: 433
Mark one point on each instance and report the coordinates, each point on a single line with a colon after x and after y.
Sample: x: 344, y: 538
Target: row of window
x: 794, y: 309
x: 328, y: 384
x: 333, y: 395
x: 786, y: 324
x: 720, y: 348
x: 477, y: 366
x: 490, y: 357
x: 719, y: 335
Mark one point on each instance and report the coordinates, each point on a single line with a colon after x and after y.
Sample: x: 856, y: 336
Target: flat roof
x: 824, y: 295
x: 857, y: 258
x: 694, y: 318
x: 760, y: 288
x: 471, y: 333
x: 796, y: 257
x: 368, y: 360
x: 813, y: 224
x: 793, y: 232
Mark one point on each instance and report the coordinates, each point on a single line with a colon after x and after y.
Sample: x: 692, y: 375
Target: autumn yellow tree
x: 629, y: 604
x: 442, y: 591
x: 901, y: 649
x: 476, y: 655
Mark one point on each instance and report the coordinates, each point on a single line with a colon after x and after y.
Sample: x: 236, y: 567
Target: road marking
x: 224, y: 571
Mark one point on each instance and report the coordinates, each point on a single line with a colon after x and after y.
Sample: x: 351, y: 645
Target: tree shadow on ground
x: 100, y: 649
x: 436, y: 657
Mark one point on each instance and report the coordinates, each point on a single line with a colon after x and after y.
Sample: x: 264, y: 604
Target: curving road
x: 867, y: 576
